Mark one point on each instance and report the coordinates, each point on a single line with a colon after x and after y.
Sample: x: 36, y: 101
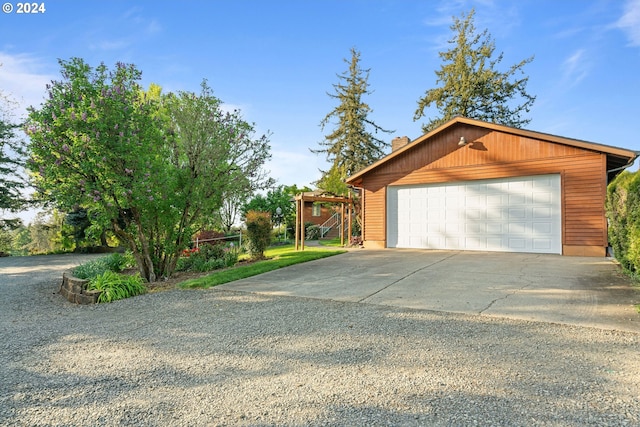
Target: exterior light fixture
x: 462, y: 142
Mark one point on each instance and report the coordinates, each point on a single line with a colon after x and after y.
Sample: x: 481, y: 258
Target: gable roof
x: 617, y: 158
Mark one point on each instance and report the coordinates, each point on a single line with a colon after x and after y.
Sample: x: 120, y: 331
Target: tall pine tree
x: 352, y: 145
x: 12, y: 157
x: 471, y: 86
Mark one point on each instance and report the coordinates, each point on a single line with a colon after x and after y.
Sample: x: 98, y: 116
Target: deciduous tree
x: 146, y: 165
x: 470, y: 84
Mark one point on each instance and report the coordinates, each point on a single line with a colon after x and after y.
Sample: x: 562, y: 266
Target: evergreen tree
x: 471, y: 86
x: 11, y: 161
x: 351, y: 145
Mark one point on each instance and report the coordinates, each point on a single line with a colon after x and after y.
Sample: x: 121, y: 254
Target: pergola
x: 346, y: 204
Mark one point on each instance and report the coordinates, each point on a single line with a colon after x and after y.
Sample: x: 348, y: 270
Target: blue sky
x: 276, y: 60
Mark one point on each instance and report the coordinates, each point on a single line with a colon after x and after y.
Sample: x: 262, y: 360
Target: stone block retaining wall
x: 75, y: 290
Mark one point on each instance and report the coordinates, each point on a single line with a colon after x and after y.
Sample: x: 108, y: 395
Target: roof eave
x: 607, y: 149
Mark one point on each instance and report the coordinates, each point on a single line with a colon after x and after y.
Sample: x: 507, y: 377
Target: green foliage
x: 623, y: 211
x: 47, y: 234
x: 147, y: 165
x: 471, y: 86
x: 91, y: 269
x: 83, y: 230
x: 332, y: 181
x: 114, y: 262
x: 10, y: 238
x: 208, y: 257
x: 279, y: 197
x: 258, y: 233
x: 114, y: 286
x: 280, y: 257
x: 12, y: 156
x: 312, y: 232
x: 118, y: 262
x: 351, y: 146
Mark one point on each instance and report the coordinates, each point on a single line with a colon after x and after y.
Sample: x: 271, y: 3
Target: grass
x: 331, y: 242
x: 279, y: 257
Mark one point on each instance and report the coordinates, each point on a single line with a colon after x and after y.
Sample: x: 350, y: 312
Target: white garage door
x: 520, y: 214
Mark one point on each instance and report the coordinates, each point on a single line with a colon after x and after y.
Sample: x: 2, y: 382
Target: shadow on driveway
x: 581, y: 291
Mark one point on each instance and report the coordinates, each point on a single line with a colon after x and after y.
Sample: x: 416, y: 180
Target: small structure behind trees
x: 346, y: 211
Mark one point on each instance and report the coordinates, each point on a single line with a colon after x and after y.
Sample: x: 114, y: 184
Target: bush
x: 623, y: 212
x: 208, y: 257
x: 116, y: 286
x: 91, y: 269
x: 258, y: 233
x: 114, y: 262
x: 313, y: 232
x: 118, y: 262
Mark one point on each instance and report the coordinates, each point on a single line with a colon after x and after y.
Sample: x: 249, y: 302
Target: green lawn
x: 331, y: 242
x: 282, y: 256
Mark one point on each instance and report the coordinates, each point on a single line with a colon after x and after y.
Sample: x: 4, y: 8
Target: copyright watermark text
x: 24, y: 8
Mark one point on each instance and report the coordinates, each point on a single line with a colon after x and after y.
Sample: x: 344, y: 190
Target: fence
x: 225, y: 238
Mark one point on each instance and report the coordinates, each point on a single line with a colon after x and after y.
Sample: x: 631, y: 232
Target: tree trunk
x: 141, y: 254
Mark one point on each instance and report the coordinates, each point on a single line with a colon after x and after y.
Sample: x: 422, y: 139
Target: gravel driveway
x: 215, y: 357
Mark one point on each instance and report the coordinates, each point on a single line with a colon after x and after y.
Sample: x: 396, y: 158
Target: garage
x: 474, y: 185
x: 519, y: 214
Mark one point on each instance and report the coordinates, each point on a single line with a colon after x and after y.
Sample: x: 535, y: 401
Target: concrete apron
x: 548, y: 288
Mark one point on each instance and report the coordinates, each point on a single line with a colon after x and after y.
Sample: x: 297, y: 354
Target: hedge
x: 623, y: 213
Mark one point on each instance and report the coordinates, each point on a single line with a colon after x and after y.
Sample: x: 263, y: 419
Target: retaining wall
x: 75, y: 290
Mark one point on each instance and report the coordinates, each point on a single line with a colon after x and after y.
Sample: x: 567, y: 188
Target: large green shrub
x: 623, y: 212
x: 258, y: 233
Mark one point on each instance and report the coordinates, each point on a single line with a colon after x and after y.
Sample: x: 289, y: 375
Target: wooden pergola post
x: 341, y: 224
x: 350, y: 210
x: 297, y: 233
x: 302, y: 230
x: 300, y: 200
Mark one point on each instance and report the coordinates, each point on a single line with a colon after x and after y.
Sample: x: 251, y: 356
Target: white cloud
x: 153, y: 27
x: 575, y: 67
x: 629, y: 22
x: 23, y: 79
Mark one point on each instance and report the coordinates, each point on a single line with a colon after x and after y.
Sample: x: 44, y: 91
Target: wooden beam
x: 327, y: 199
x: 302, y: 230
x: 342, y: 224
x: 297, y: 223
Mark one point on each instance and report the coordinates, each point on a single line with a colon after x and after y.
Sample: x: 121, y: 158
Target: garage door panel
x: 517, y: 244
x: 543, y: 244
x: 542, y: 213
x: 515, y: 214
x: 497, y: 200
x: 542, y: 228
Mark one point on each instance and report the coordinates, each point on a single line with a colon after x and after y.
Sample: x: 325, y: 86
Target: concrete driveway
x: 549, y: 288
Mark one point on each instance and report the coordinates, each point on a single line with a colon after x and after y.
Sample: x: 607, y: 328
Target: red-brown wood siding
x: 325, y: 214
x: 493, y: 154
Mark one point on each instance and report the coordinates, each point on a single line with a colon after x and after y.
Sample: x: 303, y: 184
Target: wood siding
x: 492, y: 154
x: 325, y: 213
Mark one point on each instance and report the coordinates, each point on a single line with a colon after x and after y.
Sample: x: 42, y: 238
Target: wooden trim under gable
x: 620, y: 157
